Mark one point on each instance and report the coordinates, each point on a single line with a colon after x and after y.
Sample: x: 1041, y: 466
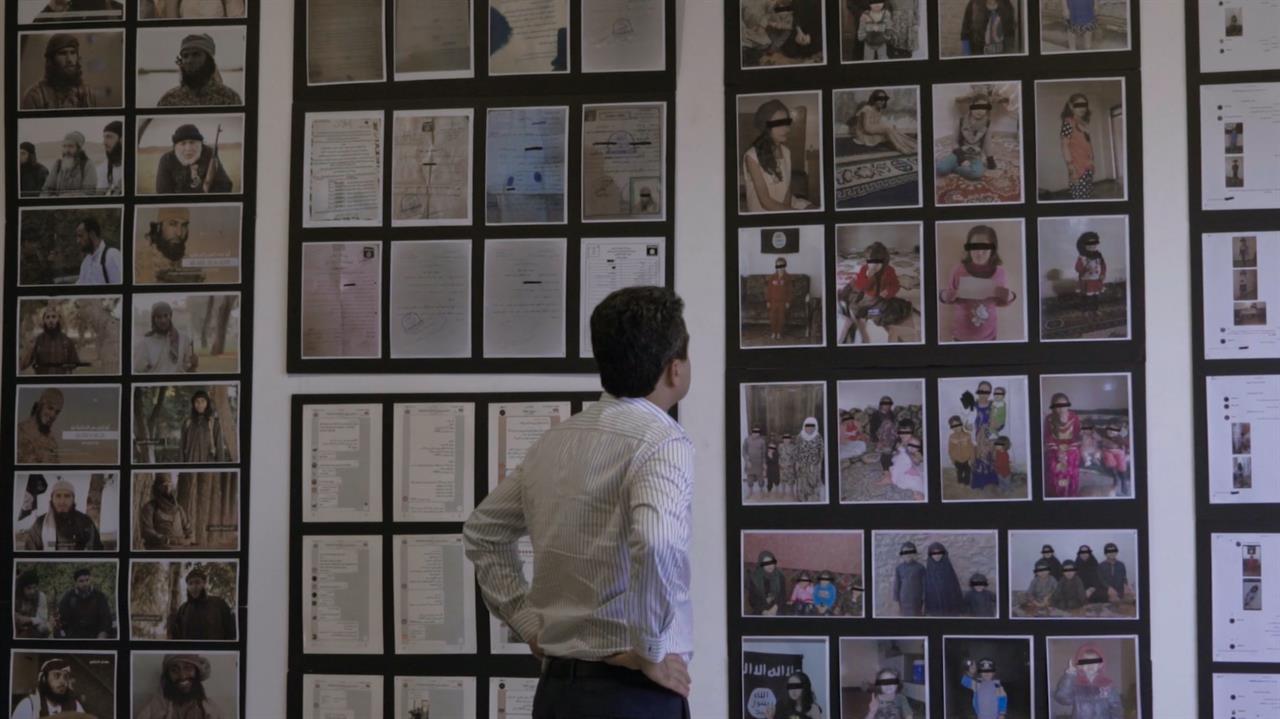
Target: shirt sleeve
x: 114, y: 273
x: 658, y: 491
x: 490, y: 536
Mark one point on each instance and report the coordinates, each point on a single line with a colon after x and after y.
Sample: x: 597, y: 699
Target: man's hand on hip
x: 672, y: 673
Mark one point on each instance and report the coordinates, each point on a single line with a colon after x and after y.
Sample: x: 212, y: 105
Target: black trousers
x: 571, y: 689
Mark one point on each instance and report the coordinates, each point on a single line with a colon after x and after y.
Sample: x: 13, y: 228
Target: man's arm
x: 490, y: 537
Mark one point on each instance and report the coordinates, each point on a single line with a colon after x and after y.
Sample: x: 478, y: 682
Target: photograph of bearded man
x: 186, y: 168
x: 64, y: 527
x: 188, y: 685
x: 36, y: 441
x: 51, y: 351
x: 66, y: 71
x: 55, y: 685
x: 201, y: 78
x: 164, y: 348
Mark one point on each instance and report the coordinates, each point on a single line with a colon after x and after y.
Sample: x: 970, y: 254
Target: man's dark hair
x: 91, y: 226
x: 635, y: 333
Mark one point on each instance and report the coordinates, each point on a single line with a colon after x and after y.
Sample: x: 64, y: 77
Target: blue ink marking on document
x: 499, y: 31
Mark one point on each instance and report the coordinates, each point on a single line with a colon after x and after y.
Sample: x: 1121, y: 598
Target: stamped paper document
x: 1240, y: 146
x: 511, y: 698
x: 428, y: 696
x: 1241, y: 272
x: 433, y: 39
x: 1239, y: 35
x: 341, y: 696
x: 623, y: 162
x: 1244, y: 422
x: 610, y: 264
x: 341, y: 299
x: 524, y: 298
x: 434, y: 467
x: 342, y: 463
x: 435, y: 600
x: 513, y: 428
x: 342, y: 595
x: 525, y: 165
x: 431, y: 168
x: 342, y: 166
x: 1246, y: 597
x: 528, y: 37
x: 344, y: 42
x: 431, y: 298
x: 1246, y: 696
x: 624, y: 36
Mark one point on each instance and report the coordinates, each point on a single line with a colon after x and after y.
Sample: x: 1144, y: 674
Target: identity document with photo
x: 624, y: 162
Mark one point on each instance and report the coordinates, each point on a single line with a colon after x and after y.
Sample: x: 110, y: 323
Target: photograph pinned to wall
x: 42, y: 12
x: 526, y: 165
x: 525, y: 296
x: 71, y: 70
x: 342, y: 166
x: 987, y: 425
x: 624, y: 162
x: 982, y: 281
x: 780, y: 166
x: 341, y: 300
x: 511, y: 697
x: 190, y: 155
x: 879, y: 284
x: 977, y: 143
x: 784, y: 457
x: 988, y: 676
x: 71, y: 156
x: 877, y: 147
x: 70, y: 245
x: 883, y: 455
x: 431, y: 167
x: 450, y: 696
x: 1248, y: 181
x: 1242, y: 470
x: 610, y: 264
x: 884, y: 677
x: 981, y: 28
x: 1081, y: 144
x: 186, y: 333
x: 528, y: 37
x: 193, y: 9
x: 1244, y: 602
x: 433, y: 41
x: 1092, y: 674
x: 345, y: 42
x: 624, y: 36
x: 353, y: 695
x: 162, y: 683
x: 346, y: 622
x: 342, y: 462
x: 186, y: 423
x: 67, y: 424
x: 1088, y: 436
x: 774, y: 35
x: 1243, y: 35
x: 513, y: 429
x: 66, y: 512
x: 433, y: 462
x: 1084, y: 26
x: 187, y: 244
x: 435, y: 601
x: 183, y: 600
x: 191, y: 66
x: 67, y: 599
x: 1084, y: 278
x: 77, y: 335
x: 185, y: 511
x: 785, y: 677
x: 1240, y: 329
x: 79, y: 681
x: 781, y: 287
x: 908, y: 586
x: 880, y: 31
x: 431, y: 298
x: 1042, y: 586
x: 802, y: 573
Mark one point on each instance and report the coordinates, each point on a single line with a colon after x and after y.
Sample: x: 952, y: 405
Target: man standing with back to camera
x: 606, y: 499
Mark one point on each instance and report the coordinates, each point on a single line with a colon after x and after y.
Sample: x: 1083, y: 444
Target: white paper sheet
x: 513, y: 429
x: 511, y: 698
x: 344, y: 42
x: 445, y: 697
x: 524, y: 298
x: 1246, y: 599
x: 974, y: 288
x: 431, y: 167
x: 434, y: 595
x: 1246, y: 696
x: 529, y: 37
x: 433, y: 39
x: 342, y: 166
x: 610, y: 264
x: 1252, y: 43
x: 1235, y: 329
x: 342, y: 591
x: 341, y: 299
x: 624, y: 162
x: 341, y: 696
x: 624, y: 36
x: 434, y: 466
x: 1233, y: 180
x: 1244, y: 422
x: 525, y: 165
x: 431, y: 298
x: 342, y: 463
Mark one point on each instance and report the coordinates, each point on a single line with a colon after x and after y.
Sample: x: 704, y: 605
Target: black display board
x: 1216, y: 518
x: 828, y: 362
x: 479, y: 93
x: 118, y: 85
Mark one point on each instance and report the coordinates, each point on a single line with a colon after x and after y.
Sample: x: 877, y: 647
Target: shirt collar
x: 642, y: 403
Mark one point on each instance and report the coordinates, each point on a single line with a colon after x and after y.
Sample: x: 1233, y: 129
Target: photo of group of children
x: 983, y: 677
x: 802, y: 574
x: 882, y: 441
x: 988, y: 438
x: 1083, y: 587
x: 784, y: 454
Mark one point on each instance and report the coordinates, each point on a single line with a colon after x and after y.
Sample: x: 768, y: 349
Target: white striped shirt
x: 606, y: 498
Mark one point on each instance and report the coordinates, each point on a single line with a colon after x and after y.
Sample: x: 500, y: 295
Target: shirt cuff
x: 654, y: 649
x: 527, y: 624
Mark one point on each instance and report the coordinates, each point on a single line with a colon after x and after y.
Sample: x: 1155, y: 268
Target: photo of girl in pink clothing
x: 980, y: 281
x: 1086, y: 443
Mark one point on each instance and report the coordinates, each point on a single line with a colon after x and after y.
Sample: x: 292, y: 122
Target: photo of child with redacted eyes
x: 981, y: 287
x: 780, y: 145
x: 1079, y: 588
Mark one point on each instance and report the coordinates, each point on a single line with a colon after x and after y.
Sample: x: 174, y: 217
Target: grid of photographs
x: 473, y: 179
x: 127, y: 354
x: 381, y: 487
x: 1233, y: 71
x: 935, y: 224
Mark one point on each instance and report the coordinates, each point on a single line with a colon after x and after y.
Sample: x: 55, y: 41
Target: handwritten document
x: 610, y: 264
x: 434, y: 468
x: 525, y: 165
x: 624, y: 36
x: 431, y: 168
x: 524, y: 298
x: 434, y: 595
x: 528, y: 37
x: 342, y: 463
x: 341, y: 696
x: 341, y: 299
x: 342, y: 590
x: 344, y: 42
x: 433, y: 39
x: 623, y: 162
x: 431, y: 298
x: 342, y: 166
